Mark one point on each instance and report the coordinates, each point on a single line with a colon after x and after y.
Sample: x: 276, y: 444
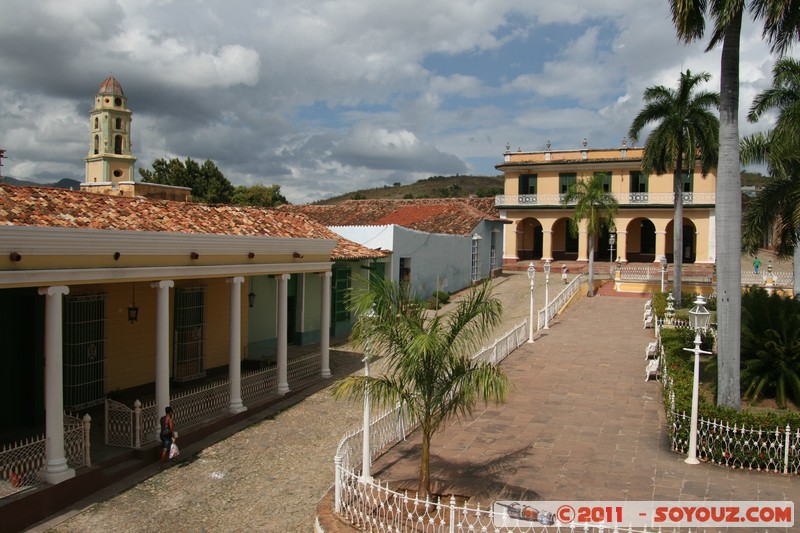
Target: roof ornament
x: 548, y: 144
x: 585, y: 142
x: 624, y: 142
x: 508, y: 147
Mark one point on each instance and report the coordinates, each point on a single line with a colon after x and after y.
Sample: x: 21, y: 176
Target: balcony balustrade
x: 627, y: 199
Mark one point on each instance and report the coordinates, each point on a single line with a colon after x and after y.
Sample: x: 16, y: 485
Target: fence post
x: 337, y: 498
x: 452, y: 513
x: 87, y: 424
x: 137, y: 424
x: 786, y: 449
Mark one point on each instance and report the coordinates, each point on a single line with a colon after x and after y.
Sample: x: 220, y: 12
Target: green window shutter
x: 341, y: 288
x: 606, y: 177
x: 565, y: 180
x: 527, y: 183
x: 638, y: 181
x: 688, y: 181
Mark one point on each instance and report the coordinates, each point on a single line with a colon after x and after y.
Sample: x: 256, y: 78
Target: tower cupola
x: 110, y: 158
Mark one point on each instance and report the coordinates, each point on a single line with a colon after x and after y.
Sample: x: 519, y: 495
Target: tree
x: 207, y: 182
x: 594, y: 205
x: 778, y: 202
x: 770, y: 346
x: 259, y: 195
x: 429, y: 364
x: 781, y: 24
x: 686, y: 128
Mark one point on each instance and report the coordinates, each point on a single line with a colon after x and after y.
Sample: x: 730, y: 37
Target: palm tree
x: 429, y: 364
x: 779, y: 202
x: 781, y: 24
x: 770, y: 346
x: 686, y: 128
x: 594, y: 205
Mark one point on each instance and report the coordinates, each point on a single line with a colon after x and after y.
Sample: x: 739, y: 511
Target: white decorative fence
x: 776, y: 450
x: 779, y: 279
x: 371, y: 506
x: 22, y: 463
x: 135, y: 427
x: 559, y: 302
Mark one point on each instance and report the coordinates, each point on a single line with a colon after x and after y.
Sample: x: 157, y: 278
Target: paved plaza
x: 580, y: 424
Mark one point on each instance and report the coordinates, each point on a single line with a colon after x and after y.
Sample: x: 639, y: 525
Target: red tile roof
x: 455, y: 216
x: 50, y: 207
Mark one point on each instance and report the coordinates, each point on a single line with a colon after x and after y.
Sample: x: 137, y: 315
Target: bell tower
x: 110, y: 159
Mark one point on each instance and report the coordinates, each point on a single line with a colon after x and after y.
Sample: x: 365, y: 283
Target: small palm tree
x: 686, y: 128
x: 779, y: 202
x: 429, y: 364
x: 770, y: 347
x: 597, y: 207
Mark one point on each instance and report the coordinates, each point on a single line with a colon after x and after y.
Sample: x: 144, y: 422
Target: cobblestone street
x: 267, y: 477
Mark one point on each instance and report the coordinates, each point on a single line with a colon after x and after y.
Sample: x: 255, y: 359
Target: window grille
x: 475, y: 257
x: 84, y: 345
x: 493, y: 251
x: 341, y: 288
x: 188, y: 358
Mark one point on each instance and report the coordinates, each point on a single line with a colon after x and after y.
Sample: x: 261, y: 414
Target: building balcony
x: 659, y: 199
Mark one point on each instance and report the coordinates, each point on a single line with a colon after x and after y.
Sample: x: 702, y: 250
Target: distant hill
x: 65, y: 183
x: 433, y: 187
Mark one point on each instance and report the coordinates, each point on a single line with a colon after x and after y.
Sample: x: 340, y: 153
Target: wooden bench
x: 653, y: 369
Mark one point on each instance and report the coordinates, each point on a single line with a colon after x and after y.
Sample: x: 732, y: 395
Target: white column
x: 325, y: 324
x: 162, y: 343
x: 56, y: 469
x: 235, y: 347
x: 283, y: 303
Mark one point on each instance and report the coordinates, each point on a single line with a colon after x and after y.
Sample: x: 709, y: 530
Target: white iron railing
x: 636, y: 198
x: 370, y: 506
x: 135, y: 427
x: 22, y: 463
x: 776, y: 450
x: 559, y: 302
x: 779, y: 279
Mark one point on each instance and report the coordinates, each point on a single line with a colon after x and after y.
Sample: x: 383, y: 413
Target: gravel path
x: 266, y: 477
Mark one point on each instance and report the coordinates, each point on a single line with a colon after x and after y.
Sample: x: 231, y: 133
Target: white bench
x: 648, y: 304
x: 651, y: 350
x: 648, y: 319
x: 653, y: 369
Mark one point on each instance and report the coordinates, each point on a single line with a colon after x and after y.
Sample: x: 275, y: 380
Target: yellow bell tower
x: 110, y: 159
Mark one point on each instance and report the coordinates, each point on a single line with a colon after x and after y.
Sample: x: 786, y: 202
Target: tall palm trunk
x: 590, y: 237
x: 729, y: 230
x: 677, y: 230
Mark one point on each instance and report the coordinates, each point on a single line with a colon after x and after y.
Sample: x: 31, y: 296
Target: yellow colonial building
x: 535, y: 183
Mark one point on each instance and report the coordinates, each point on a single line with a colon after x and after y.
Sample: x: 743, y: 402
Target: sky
x: 324, y: 97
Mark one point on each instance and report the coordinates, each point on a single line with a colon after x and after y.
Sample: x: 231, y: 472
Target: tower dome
x: 110, y: 85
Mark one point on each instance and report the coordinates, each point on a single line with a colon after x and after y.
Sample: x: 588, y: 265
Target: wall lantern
x: 117, y: 255
x: 194, y: 255
x: 297, y: 255
x: 251, y: 297
x: 251, y: 255
x: 133, y: 309
x: 15, y: 257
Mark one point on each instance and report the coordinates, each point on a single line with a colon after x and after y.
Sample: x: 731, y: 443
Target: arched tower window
x: 97, y: 144
x: 96, y: 123
x: 118, y: 144
x: 119, y: 123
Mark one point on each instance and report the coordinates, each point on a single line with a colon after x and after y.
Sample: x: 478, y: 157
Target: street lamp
x: 546, y: 293
x: 366, y: 456
x: 663, y: 271
x: 612, y: 239
x: 698, y: 320
x: 531, y: 276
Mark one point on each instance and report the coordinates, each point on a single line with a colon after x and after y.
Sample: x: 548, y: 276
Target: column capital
x: 660, y: 232
x: 284, y: 277
x: 163, y: 284
x: 547, y: 231
x: 326, y: 274
x: 236, y: 280
x: 54, y: 290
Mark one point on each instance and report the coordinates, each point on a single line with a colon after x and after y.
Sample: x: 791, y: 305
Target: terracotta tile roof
x: 50, y: 207
x: 455, y: 216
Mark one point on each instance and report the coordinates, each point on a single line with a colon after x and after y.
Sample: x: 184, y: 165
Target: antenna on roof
x: 2, y: 156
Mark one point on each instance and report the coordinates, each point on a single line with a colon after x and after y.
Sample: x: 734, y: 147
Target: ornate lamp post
x: 366, y: 456
x: 663, y: 271
x: 532, y: 277
x: 698, y: 319
x: 612, y: 240
x: 546, y: 294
